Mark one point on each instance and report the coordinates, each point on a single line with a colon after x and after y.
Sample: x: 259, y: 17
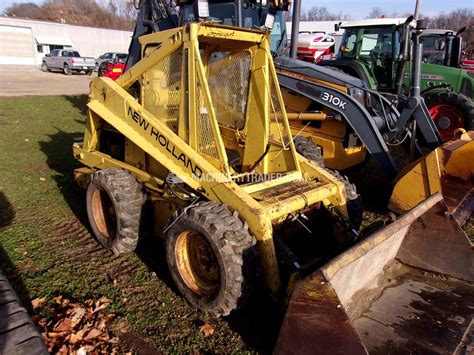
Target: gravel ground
x: 26, y: 80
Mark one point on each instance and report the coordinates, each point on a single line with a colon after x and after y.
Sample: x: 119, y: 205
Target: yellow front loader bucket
x: 408, y: 288
x: 449, y: 169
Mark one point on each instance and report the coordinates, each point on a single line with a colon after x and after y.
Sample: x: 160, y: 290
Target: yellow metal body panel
x: 328, y: 134
x: 449, y: 169
x: 192, y: 141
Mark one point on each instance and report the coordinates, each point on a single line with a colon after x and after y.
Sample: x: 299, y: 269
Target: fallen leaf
x: 89, y: 348
x: 101, y: 324
x: 77, y: 316
x: 101, y: 307
x: 105, y: 300
x: 63, y: 349
x: 64, y: 325
x: 207, y: 330
x: 94, y: 333
x: 37, y: 302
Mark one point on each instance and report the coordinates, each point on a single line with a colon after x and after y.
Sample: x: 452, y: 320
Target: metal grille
x: 206, y: 141
x: 161, y: 90
x: 278, y: 130
x: 228, y: 78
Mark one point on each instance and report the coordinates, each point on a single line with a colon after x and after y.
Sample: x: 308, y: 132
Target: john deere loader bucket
x: 408, y: 288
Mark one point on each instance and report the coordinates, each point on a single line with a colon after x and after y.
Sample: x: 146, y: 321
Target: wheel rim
x: 103, y: 212
x: 44, y: 67
x: 197, y: 263
x: 447, y: 119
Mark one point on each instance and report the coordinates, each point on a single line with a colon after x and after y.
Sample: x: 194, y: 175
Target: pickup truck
x: 67, y: 61
x: 110, y: 57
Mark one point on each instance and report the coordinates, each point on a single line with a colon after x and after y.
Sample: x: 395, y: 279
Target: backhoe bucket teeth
x: 449, y: 169
x: 404, y: 288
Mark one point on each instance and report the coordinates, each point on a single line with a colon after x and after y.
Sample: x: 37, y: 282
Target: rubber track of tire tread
x: 233, y: 239
x: 461, y: 102
x: 18, y: 334
x: 309, y: 150
x: 129, y: 196
x: 312, y: 152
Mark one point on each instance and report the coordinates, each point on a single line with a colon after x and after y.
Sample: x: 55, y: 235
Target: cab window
x: 348, y: 44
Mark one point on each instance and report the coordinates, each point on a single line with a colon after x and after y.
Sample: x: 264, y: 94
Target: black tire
x: 312, y: 152
x: 89, y: 72
x: 355, y: 209
x: 19, y: 334
x: 225, y: 283
x: 460, y: 102
x: 114, y: 202
x: 309, y: 150
x: 100, y: 70
x: 67, y: 70
x: 44, y: 67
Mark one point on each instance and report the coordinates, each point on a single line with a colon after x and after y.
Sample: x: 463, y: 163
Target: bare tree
x: 455, y: 20
x: 27, y: 10
x: 376, y: 12
x: 317, y: 13
x: 113, y: 14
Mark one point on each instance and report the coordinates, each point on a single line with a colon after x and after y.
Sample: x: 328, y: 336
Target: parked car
x: 109, y: 57
x: 67, y: 61
x: 113, y: 68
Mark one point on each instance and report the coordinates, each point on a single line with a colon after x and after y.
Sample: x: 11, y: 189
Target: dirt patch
x: 30, y: 80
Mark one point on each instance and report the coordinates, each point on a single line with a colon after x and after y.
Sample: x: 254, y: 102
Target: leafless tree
x: 113, y: 15
x: 455, y: 20
x: 317, y: 13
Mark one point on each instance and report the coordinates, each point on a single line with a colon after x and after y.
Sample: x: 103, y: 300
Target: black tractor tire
x: 309, y: 150
x: 212, y: 257
x: 114, y: 203
x: 44, y: 67
x: 312, y: 152
x: 355, y: 208
x: 463, y: 104
x: 67, y: 70
x: 101, y: 69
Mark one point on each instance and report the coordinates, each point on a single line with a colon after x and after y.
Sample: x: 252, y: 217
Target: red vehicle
x: 467, y: 64
x: 112, y: 70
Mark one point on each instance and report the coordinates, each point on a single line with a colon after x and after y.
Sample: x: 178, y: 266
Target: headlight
x: 359, y: 95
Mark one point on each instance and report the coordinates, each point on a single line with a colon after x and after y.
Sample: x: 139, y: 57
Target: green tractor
x: 378, y: 52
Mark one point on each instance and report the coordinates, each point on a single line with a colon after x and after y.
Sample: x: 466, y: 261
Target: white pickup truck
x: 67, y: 61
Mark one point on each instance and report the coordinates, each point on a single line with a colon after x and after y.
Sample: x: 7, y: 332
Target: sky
x: 356, y: 8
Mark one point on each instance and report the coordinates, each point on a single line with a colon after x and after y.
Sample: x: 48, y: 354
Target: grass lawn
x: 46, y: 249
